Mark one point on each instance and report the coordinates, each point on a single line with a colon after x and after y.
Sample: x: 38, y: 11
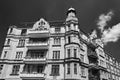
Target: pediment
x: 42, y: 24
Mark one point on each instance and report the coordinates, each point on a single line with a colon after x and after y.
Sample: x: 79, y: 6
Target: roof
x: 57, y: 23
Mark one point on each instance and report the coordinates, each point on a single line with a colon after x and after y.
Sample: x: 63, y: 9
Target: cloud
x: 103, y: 19
x: 111, y: 34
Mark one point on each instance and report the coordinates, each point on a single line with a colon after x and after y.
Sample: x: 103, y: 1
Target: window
x: 5, y: 53
x: 75, y: 53
x: 101, y: 62
x: 55, y: 70
x: 69, y: 28
x: 82, y: 57
x: 82, y: 71
x: 1, y: 67
x: 57, y: 41
x: 56, y: 54
x: 57, y: 29
x: 68, y: 68
x: 18, y: 55
x: 75, y: 68
x: 15, y: 69
x: 21, y: 43
x: 69, y: 40
x: 68, y: 51
x: 11, y: 29
x: 23, y: 32
x: 40, y: 69
x: 8, y: 41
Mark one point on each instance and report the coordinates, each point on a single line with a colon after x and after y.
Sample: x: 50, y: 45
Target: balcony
x: 92, y: 44
x: 34, y: 60
x: 93, y: 66
x: 93, y: 74
x: 37, y: 45
x: 32, y: 75
x: 92, y: 54
x: 38, y: 33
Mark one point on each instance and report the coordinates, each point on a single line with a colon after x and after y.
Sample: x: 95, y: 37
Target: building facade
x: 55, y: 50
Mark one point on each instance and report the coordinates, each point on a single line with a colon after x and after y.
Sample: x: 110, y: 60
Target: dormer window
x: 23, y: 32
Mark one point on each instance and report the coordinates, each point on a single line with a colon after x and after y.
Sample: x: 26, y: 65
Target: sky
x: 13, y: 12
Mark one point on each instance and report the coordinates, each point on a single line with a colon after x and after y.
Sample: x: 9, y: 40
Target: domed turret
x: 71, y: 15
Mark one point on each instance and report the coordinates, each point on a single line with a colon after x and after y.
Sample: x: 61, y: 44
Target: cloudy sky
x: 88, y: 12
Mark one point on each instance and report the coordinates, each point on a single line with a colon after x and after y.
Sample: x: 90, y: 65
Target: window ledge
x: 6, y: 45
x: 14, y: 74
x: 56, y: 45
x: 20, y: 46
x: 54, y: 74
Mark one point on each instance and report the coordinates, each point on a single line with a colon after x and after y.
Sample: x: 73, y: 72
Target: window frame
x: 68, y: 53
x: 21, y: 43
x: 19, y: 55
x: 75, y: 68
x: 15, y: 69
x: 56, y: 54
x: 55, y: 70
x: 57, y: 41
x: 68, y: 68
x: 1, y: 68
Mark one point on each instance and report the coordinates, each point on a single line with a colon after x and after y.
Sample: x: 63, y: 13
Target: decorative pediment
x: 41, y: 25
x: 99, y: 42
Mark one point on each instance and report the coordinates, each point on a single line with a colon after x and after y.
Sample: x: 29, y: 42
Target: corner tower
x: 71, y: 20
x: 72, y: 45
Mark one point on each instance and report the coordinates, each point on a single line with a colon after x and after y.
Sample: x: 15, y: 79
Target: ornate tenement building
x: 55, y: 50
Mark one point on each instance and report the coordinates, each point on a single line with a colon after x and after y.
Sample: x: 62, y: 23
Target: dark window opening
x: 69, y: 40
x: 23, y: 32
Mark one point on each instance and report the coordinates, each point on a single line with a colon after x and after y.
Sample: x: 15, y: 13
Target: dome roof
x: 73, y: 9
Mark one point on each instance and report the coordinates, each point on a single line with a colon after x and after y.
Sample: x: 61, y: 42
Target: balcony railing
x: 37, y: 44
x: 93, y: 65
x: 32, y: 75
x: 35, y: 60
x: 38, y: 33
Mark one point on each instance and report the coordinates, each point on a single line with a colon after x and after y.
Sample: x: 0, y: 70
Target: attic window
x: 11, y: 29
x: 23, y: 32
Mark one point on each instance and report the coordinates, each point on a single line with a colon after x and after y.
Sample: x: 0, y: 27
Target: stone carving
x: 41, y: 25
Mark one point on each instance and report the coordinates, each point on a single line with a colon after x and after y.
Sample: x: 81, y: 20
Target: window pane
x: 19, y: 55
x: 56, y: 54
x: 68, y: 68
x: 23, y: 32
x: 68, y: 53
x: 82, y: 57
x: 5, y: 53
x: 15, y: 69
x: 55, y: 70
x: 57, y: 41
x: 21, y: 43
x: 1, y: 67
x: 11, y: 29
x: 8, y: 42
x: 75, y: 68
x: 75, y: 52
